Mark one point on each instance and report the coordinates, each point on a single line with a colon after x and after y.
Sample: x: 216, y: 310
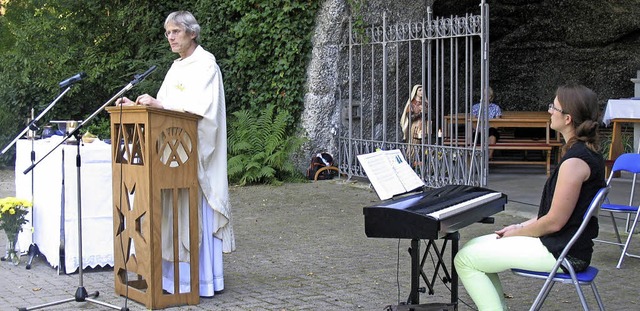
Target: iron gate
x: 380, y: 65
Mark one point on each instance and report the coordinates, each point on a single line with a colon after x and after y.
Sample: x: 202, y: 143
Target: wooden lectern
x: 155, y: 172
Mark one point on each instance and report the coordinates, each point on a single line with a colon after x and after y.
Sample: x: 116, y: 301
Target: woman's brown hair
x: 581, y: 103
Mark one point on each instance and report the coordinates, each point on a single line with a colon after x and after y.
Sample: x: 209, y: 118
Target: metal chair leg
x: 542, y: 295
x: 597, y: 295
x: 583, y: 300
x: 615, y: 228
x: 626, y: 244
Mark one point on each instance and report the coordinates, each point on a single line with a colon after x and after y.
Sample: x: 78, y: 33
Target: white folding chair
x: 586, y: 277
x: 627, y: 162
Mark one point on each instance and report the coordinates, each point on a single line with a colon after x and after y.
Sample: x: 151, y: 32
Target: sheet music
x: 389, y: 173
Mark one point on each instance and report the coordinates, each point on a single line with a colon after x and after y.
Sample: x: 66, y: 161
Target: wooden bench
x: 525, y: 145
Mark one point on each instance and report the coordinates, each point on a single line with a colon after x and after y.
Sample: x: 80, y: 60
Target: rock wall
x: 321, y: 118
x: 535, y: 46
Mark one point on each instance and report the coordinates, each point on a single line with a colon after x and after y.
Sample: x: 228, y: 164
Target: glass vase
x: 12, y: 250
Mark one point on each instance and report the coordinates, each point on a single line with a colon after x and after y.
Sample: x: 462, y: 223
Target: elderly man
x: 194, y: 84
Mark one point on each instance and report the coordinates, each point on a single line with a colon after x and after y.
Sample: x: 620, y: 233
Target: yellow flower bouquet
x: 13, y: 212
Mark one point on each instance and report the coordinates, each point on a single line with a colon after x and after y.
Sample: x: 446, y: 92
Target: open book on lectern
x: 389, y: 173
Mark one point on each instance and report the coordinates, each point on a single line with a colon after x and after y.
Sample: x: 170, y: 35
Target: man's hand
x: 147, y: 100
x: 123, y: 101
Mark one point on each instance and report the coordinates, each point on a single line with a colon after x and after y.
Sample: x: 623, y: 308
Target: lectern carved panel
x: 154, y: 158
x: 131, y: 147
x: 174, y: 146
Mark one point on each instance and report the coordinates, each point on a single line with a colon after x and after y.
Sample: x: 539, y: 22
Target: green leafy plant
x: 13, y: 212
x: 357, y: 16
x: 605, y: 143
x: 100, y: 127
x: 262, y: 48
x: 259, y: 149
x: 44, y: 42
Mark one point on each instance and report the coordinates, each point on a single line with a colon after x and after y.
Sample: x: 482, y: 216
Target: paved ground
x: 303, y: 247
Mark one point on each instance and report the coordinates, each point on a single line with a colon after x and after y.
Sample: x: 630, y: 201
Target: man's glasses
x: 551, y: 106
x: 174, y: 32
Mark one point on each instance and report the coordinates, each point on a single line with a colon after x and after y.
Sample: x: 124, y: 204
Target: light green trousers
x: 480, y: 260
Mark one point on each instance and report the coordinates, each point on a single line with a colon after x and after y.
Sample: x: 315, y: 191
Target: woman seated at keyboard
x: 536, y: 243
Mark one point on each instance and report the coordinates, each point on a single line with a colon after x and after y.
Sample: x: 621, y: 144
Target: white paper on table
x: 389, y: 173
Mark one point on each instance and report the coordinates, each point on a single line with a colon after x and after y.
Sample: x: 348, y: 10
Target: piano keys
x: 433, y: 213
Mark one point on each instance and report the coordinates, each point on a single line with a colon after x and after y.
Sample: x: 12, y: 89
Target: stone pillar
x: 636, y: 126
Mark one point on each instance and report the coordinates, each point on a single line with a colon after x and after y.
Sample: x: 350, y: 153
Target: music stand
x: 32, y: 126
x: 81, y: 294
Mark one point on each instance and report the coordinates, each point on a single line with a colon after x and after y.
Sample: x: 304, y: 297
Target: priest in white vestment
x: 194, y: 84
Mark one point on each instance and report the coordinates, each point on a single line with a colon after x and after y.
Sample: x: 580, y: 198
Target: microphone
x: 72, y: 80
x: 138, y: 78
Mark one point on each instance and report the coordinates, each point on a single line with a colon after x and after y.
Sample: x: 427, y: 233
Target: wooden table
x: 56, y: 205
x: 616, y: 148
x: 513, y: 119
x: 509, y: 119
x: 617, y: 112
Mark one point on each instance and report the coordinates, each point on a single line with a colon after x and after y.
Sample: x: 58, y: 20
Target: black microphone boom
x: 138, y: 78
x: 72, y: 80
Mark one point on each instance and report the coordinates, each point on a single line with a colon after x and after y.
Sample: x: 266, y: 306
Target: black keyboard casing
x: 407, y: 217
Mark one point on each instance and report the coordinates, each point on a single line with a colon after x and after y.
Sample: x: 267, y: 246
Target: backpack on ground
x: 318, y: 161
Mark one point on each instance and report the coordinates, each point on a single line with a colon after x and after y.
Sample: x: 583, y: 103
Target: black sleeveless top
x: 580, y: 253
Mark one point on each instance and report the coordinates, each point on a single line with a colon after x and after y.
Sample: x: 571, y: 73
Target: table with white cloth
x: 55, y: 204
x: 617, y: 112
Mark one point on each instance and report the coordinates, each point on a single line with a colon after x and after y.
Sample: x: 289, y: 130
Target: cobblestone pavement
x: 303, y: 247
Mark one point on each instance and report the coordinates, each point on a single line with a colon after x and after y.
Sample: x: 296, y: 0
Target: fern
x: 260, y: 150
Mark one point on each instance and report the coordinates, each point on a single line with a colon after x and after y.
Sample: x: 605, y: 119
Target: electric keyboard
x: 433, y: 213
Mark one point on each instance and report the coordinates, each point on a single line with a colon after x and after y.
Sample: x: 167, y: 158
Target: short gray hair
x: 187, y: 20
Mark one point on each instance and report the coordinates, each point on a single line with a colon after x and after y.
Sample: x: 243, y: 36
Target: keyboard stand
x: 417, y: 270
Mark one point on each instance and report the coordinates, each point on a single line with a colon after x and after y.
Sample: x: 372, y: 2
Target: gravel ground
x: 302, y: 247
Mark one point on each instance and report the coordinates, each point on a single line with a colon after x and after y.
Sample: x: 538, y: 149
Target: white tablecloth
x: 621, y: 108
x: 96, y: 201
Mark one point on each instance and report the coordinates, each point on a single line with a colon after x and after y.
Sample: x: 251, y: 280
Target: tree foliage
x: 49, y: 41
x: 262, y: 48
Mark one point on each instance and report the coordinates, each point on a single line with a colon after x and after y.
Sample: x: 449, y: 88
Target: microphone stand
x: 81, y: 294
x: 32, y: 124
x: 61, y: 249
x: 33, y: 248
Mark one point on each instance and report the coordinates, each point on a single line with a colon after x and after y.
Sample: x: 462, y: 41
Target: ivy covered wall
x: 262, y: 48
